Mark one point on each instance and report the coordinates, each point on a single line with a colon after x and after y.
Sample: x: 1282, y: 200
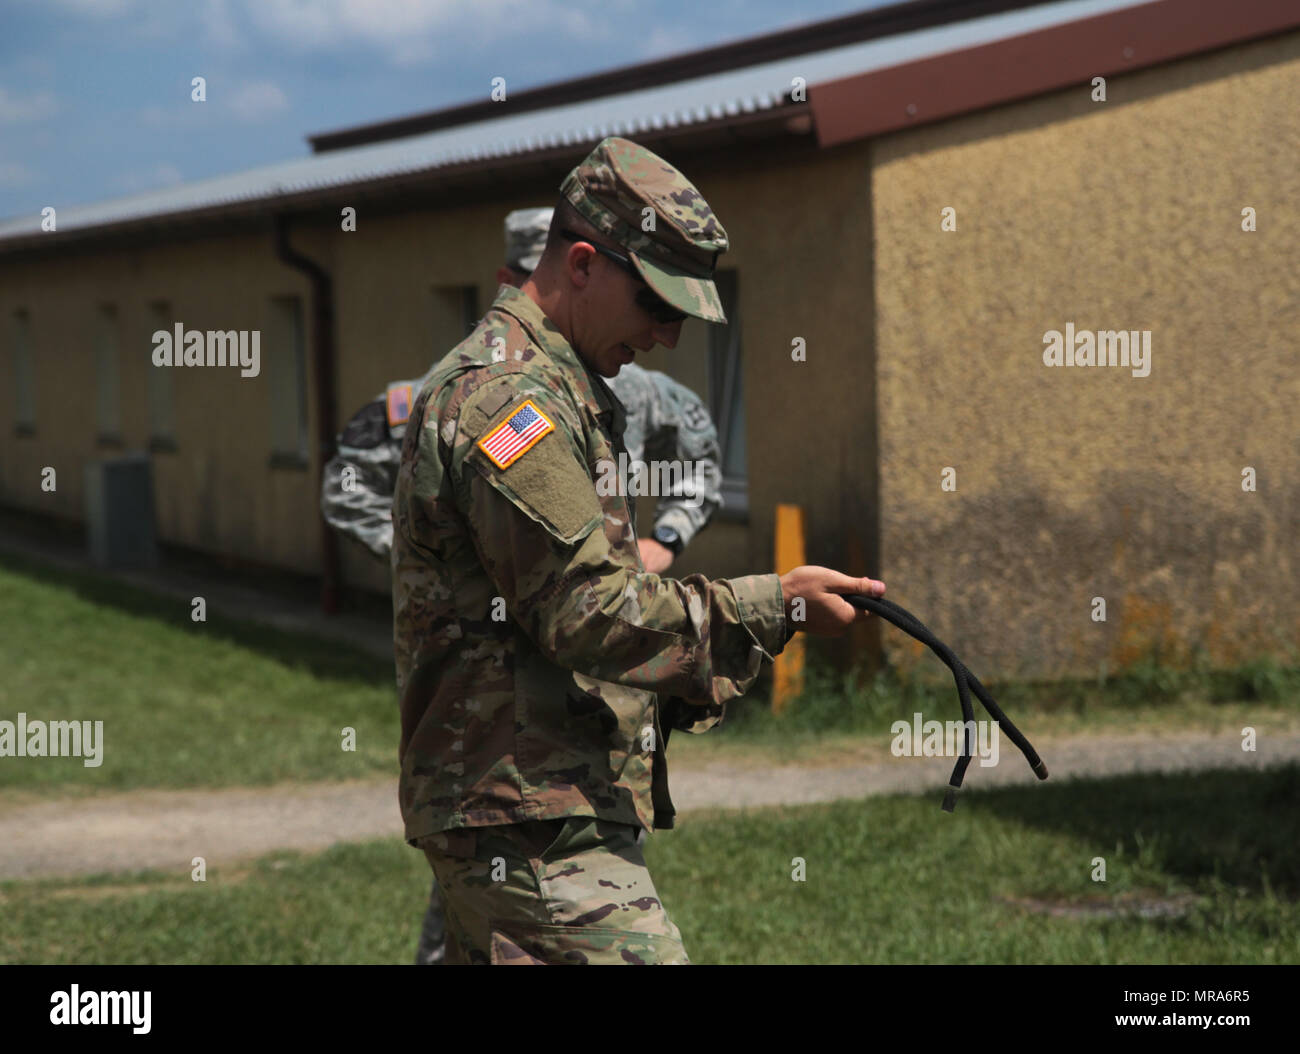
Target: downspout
x: 322, y: 360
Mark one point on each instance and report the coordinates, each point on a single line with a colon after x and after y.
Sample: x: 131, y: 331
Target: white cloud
x: 248, y: 102
x: 178, y: 115
x: 164, y: 174
x: 14, y: 110
x: 219, y: 25
x: 410, y: 31
x: 13, y: 175
x: 159, y: 20
x: 328, y: 24
x: 258, y: 100
x: 669, y: 40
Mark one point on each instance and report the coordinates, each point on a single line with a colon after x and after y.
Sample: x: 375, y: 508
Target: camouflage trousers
x: 432, y: 949
x: 572, y: 890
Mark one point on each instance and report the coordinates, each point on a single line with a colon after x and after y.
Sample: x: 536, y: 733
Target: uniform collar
x: 591, y: 388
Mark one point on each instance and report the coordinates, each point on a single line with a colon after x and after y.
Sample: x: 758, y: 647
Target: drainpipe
x: 322, y: 361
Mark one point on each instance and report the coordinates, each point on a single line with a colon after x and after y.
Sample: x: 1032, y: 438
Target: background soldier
x: 664, y: 420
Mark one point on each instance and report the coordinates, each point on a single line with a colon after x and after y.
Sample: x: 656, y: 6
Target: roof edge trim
x: 959, y: 82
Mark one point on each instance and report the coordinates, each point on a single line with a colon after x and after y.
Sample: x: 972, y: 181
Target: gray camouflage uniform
x: 667, y: 421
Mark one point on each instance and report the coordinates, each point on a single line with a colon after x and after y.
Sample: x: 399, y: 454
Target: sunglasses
x: 646, y: 298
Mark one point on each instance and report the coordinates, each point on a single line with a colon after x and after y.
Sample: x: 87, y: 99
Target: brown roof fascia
x: 798, y: 40
x: 1045, y: 60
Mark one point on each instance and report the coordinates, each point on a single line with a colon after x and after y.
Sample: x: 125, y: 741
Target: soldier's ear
x: 578, y: 261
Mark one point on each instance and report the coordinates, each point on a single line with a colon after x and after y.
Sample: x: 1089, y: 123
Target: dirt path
x: 167, y: 829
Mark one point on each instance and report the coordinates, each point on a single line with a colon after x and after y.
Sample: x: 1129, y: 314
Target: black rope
x: 967, y: 682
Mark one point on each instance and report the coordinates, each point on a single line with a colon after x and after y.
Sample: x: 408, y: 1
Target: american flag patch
x: 399, y: 404
x: 515, y: 435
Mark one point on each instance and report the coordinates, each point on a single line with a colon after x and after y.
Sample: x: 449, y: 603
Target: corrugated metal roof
x: 680, y: 104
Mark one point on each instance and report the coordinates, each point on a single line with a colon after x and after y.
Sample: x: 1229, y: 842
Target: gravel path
x: 166, y: 829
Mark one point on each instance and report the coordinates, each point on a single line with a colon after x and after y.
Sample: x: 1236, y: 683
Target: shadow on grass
x: 1239, y: 827
x: 334, y: 660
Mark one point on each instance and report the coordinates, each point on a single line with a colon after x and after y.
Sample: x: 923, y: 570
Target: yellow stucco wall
x: 1074, y: 483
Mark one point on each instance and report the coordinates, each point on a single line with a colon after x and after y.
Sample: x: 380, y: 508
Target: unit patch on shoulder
x: 516, y: 435
x: 399, y: 404
x: 695, y: 416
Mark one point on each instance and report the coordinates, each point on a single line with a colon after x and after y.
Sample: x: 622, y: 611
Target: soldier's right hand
x: 825, y: 611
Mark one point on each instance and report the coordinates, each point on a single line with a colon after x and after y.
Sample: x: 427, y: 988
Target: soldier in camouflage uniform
x: 539, y: 665
x: 664, y: 418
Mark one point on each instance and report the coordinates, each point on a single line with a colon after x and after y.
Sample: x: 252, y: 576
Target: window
x: 24, y: 374
x: 162, y: 417
x: 469, y: 312
x: 108, y: 378
x: 285, y: 357
x: 727, y: 394
x: 455, y: 314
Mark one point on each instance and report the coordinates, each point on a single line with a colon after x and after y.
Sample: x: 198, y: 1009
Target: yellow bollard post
x: 787, y: 682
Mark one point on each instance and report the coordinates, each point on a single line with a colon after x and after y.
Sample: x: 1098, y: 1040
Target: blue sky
x: 95, y: 94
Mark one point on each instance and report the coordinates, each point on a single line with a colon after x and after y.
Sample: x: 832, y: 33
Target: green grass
x: 888, y: 880
x: 898, y: 881
x: 226, y: 703
x: 184, y: 704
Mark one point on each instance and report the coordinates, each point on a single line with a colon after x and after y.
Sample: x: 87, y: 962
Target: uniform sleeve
x: 680, y: 426
x: 541, y: 533
x: 357, y: 488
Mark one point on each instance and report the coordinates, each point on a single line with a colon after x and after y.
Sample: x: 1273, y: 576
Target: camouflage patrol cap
x: 526, y: 231
x: 615, y: 186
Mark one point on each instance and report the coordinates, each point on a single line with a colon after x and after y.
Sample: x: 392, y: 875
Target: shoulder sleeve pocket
x: 548, y: 481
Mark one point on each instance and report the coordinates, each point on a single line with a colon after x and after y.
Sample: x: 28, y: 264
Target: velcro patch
x: 516, y: 435
x: 399, y: 404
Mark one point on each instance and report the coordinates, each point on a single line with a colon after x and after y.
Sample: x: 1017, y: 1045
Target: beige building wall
x: 217, y: 491
x: 1075, y: 483
x: 390, y: 326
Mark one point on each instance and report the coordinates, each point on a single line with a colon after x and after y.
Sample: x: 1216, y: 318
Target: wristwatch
x: 669, y: 539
